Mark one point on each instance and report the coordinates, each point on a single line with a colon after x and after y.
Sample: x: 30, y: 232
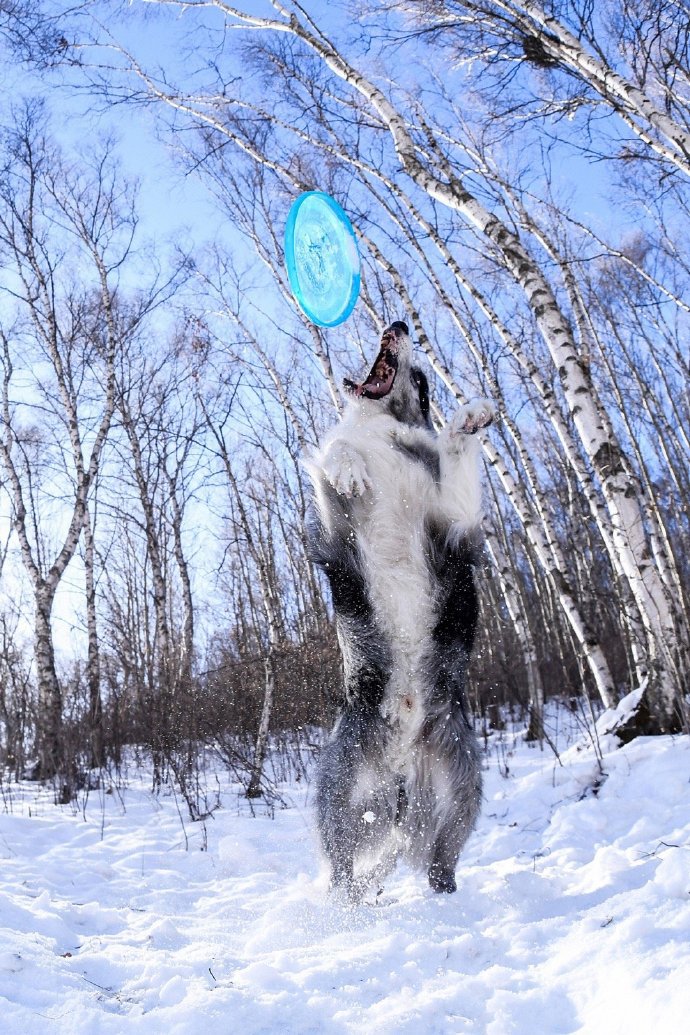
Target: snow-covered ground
x: 572, y: 914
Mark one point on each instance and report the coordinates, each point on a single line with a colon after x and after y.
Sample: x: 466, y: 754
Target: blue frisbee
x: 322, y: 259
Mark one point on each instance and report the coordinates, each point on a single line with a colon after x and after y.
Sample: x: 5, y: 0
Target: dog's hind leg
x: 449, y: 842
x: 452, y: 790
x: 442, y: 866
x: 336, y: 779
x: 451, y: 760
x: 395, y: 807
x: 355, y: 803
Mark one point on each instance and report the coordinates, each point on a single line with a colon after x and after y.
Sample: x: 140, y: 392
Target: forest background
x: 518, y: 177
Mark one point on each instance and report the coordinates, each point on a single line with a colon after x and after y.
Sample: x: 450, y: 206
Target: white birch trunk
x: 93, y: 659
x: 514, y: 605
x: 261, y: 743
x: 49, y: 745
x: 187, y: 644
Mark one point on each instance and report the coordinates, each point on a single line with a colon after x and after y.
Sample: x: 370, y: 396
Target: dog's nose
x: 400, y: 325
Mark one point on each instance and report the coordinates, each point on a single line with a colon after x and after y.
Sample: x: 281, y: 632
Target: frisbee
x: 322, y: 259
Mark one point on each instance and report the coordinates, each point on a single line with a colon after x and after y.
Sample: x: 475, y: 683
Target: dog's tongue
x: 380, y: 378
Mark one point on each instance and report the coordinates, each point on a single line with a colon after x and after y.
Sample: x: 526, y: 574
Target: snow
x: 613, y: 718
x: 572, y: 914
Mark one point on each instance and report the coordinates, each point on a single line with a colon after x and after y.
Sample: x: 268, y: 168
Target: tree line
x: 156, y: 407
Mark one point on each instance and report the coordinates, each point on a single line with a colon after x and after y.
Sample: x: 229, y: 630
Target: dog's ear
x: 422, y: 384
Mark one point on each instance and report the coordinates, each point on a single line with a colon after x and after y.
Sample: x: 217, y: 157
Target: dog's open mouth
x: 381, y: 377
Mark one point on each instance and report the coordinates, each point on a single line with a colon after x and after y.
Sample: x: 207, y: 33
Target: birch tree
x: 93, y: 657
x: 65, y: 235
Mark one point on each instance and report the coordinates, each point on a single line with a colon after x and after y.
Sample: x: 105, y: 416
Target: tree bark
x: 93, y: 657
x: 49, y: 720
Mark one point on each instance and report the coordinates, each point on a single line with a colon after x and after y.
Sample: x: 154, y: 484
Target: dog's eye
x: 422, y: 386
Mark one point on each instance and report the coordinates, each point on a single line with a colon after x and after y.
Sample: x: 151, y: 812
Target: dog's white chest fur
x: 390, y: 521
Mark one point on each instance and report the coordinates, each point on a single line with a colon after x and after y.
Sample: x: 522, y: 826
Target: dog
x: 395, y: 528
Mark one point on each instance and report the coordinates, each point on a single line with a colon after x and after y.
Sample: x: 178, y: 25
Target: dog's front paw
x: 347, y: 473
x: 467, y: 420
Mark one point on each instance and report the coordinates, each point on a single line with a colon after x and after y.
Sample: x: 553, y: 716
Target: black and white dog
x: 397, y: 513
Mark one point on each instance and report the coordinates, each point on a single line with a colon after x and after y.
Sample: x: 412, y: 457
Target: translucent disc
x: 322, y: 259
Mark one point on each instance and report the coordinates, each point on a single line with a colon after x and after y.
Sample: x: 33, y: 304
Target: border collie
x: 395, y: 529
